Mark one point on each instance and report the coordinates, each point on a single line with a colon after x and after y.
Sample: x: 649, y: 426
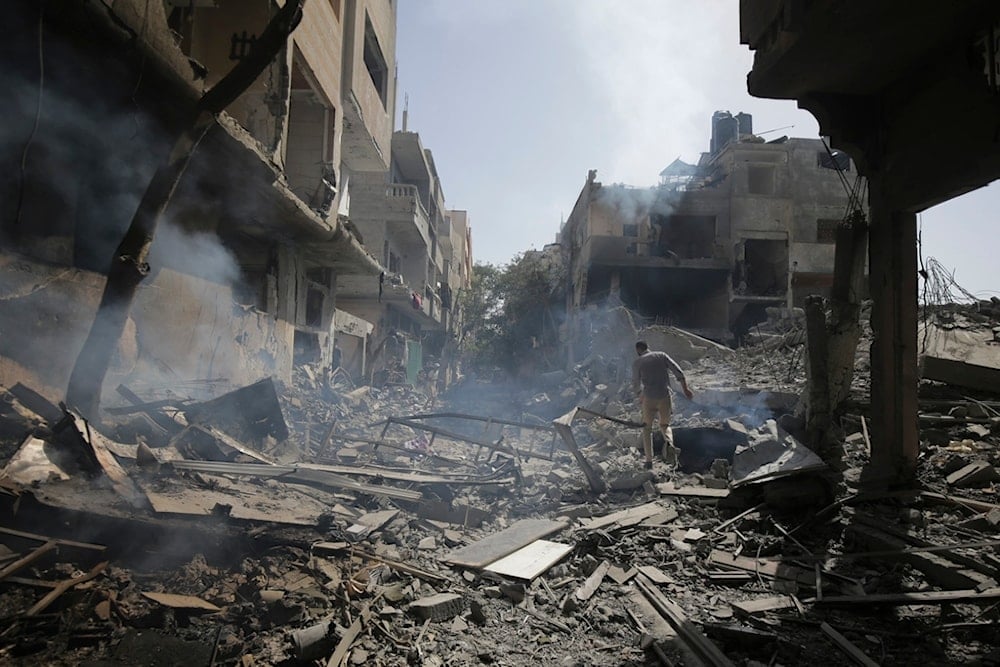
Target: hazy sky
x: 518, y: 99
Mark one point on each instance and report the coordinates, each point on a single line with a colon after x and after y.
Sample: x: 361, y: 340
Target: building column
x: 893, y: 278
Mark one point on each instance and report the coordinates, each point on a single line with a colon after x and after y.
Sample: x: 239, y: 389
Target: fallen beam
x: 317, y: 477
x: 490, y: 420
x: 340, y: 548
x: 704, y: 647
x: 43, y: 538
x: 845, y: 645
x: 64, y: 586
x: 27, y: 559
x: 562, y: 426
x: 912, y: 599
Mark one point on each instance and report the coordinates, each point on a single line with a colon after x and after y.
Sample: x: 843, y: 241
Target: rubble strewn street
x: 330, y: 524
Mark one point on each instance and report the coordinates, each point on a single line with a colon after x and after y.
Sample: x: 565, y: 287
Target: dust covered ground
x: 352, y: 562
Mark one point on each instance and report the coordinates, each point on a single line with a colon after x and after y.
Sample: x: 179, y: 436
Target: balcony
x: 397, y: 205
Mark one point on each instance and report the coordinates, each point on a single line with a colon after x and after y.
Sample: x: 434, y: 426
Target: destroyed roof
x: 680, y: 168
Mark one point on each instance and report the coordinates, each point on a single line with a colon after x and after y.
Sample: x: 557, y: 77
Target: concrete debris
x: 342, y: 542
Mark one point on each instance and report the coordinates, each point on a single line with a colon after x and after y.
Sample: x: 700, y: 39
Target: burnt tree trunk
x: 129, y: 266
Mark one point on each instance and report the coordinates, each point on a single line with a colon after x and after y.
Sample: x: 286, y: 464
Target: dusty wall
x: 181, y: 328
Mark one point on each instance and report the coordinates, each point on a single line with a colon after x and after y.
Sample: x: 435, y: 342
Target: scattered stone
x: 438, y: 607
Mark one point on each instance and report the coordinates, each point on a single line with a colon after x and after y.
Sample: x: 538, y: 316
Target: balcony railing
x: 395, y: 193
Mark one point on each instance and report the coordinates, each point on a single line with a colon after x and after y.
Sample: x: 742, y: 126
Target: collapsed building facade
x: 257, y: 237
x: 708, y: 249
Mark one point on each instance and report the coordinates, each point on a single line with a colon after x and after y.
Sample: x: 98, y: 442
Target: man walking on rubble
x: 652, y: 371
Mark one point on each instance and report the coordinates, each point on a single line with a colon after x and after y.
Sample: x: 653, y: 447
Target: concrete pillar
x: 893, y: 275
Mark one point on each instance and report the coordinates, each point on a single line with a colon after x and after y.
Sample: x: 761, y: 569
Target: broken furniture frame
x: 490, y: 421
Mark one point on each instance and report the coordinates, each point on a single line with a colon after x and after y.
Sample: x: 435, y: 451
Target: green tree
x: 511, y: 310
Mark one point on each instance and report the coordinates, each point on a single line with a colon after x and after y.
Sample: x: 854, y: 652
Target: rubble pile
x: 327, y: 523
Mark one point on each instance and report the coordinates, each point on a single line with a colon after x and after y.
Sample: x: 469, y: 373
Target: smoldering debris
x: 286, y: 524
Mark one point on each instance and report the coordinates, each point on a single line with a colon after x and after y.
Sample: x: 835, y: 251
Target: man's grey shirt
x: 653, y: 369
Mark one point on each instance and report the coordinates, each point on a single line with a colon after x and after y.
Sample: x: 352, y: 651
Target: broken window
x: 760, y: 180
x: 314, y: 307
x: 375, y: 62
x: 686, y: 236
x: 834, y: 160
x: 630, y: 230
x: 826, y: 231
x: 765, y: 267
x: 306, y: 347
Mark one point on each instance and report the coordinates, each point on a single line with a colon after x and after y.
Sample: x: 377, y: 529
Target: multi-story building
x: 750, y: 226
x: 400, y: 215
x: 255, y: 238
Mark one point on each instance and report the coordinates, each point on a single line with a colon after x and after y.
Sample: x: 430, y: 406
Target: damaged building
x: 258, y: 238
x: 750, y: 226
x: 426, y: 250
x: 244, y: 269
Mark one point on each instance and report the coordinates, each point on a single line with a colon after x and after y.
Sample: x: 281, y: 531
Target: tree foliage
x: 511, y: 310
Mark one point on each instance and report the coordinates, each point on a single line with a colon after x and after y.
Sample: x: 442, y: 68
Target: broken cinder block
x: 438, y: 607
x: 977, y: 473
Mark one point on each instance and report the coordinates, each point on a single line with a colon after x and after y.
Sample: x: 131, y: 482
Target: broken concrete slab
x: 626, y: 517
x: 975, y: 474
x: 962, y: 357
x: 530, y: 561
x: 494, y: 547
x: 683, y: 345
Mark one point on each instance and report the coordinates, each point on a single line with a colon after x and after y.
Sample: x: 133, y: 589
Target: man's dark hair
x: 641, y: 346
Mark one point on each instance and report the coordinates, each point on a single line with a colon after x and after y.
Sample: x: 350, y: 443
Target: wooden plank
x: 565, y: 431
x: 704, y: 647
x: 64, y: 586
x: 530, y: 561
x: 340, y: 653
x: 845, y: 645
x: 655, y: 574
x: 620, y: 576
x: 42, y: 538
x: 27, y: 559
x: 625, y: 517
x: 592, y: 583
x: 668, y: 489
x: 246, y: 502
x: 410, y: 477
x: 726, y: 524
x: 232, y: 443
x: 769, y: 569
x: 480, y: 554
x: 175, y: 601
x: 340, y: 548
x: 338, y: 482
x: 912, y: 599
x: 977, y: 505
x: 754, y: 607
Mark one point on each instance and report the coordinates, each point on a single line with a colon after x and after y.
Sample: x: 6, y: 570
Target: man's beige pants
x: 651, y: 408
